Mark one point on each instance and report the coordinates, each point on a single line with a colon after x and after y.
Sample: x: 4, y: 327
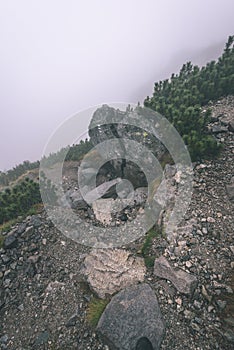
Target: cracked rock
x: 110, y: 270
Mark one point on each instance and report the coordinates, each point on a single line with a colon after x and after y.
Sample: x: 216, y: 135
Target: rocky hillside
x: 185, y: 299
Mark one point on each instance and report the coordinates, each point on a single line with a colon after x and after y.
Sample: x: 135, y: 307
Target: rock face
x: 132, y: 314
x: 183, y: 281
x: 110, y: 270
x: 102, y: 128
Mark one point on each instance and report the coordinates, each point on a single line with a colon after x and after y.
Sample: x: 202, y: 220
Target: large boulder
x: 108, y: 124
x: 76, y: 200
x: 133, y: 315
x: 110, y: 270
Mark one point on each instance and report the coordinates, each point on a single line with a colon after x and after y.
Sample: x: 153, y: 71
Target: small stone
x: 232, y: 249
x: 10, y: 241
x: 44, y: 241
x: 205, y: 294
x: 35, y: 221
x: 221, y: 304
x: 182, y: 243
x: 42, y: 338
x: 5, y: 258
x: 210, y: 219
x: 178, y: 301
x: 229, y: 289
x: 219, y: 215
x: 20, y: 307
x: 204, y: 230
x: 195, y: 327
x: 7, y: 283
x: 188, y: 264
x: 13, y: 265
x: 197, y: 304
x: 21, y: 228
x: 210, y: 308
x: 34, y: 258
x: 72, y: 321
x: 188, y: 314
x: 4, y: 338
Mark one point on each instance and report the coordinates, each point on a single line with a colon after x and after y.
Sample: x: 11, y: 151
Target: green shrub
x: 149, y: 259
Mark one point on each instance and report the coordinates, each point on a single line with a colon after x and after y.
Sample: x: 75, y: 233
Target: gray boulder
x: 10, y: 241
x: 132, y: 314
x: 77, y: 201
x: 182, y: 280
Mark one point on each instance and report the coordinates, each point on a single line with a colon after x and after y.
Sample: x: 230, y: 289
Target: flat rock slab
x: 132, y: 314
x: 110, y: 270
x: 182, y: 280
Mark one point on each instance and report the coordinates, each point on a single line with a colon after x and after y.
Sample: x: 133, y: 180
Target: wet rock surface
x: 44, y: 297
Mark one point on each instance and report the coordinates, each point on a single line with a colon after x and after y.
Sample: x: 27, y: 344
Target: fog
x: 58, y: 57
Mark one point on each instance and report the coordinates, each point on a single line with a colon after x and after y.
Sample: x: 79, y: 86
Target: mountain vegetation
x: 19, y: 199
x: 180, y: 100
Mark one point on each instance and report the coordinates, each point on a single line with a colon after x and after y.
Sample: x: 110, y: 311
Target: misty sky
x: 58, y: 57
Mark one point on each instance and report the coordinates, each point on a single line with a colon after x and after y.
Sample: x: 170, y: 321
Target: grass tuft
x: 149, y: 259
x: 95, y: 310
x: 1, y: 241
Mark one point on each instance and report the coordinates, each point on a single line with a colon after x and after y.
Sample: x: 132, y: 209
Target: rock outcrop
x: 107, y: 124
